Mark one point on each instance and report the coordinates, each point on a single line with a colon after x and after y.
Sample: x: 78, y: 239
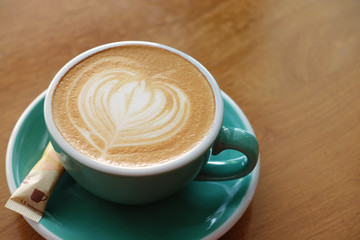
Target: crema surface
x: 133, y: 106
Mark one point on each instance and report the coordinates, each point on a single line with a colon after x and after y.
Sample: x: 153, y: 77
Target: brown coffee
x: 134, y: 106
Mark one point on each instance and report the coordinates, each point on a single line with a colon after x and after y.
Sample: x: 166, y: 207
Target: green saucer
x: 202, y: 210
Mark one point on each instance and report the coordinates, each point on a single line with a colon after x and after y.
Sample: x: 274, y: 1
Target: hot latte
x: 134, y: 106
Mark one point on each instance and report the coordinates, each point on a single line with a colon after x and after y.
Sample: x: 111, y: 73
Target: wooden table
x: 292, y: 66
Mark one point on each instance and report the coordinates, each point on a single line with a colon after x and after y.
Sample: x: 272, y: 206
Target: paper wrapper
x: 31, y: 197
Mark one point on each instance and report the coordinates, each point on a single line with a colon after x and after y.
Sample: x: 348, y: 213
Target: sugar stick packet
x: 31, y: 197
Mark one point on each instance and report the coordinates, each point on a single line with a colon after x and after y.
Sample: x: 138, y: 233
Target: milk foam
x: 133, y: 106
x: 123, y: 108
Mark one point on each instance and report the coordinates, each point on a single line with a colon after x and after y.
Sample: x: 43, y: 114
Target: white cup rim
x: 139, y: 171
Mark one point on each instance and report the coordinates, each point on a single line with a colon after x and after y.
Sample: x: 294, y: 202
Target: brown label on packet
x: 31, y: 197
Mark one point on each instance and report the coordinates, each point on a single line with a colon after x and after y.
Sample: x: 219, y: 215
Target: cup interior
x: 140, y: 171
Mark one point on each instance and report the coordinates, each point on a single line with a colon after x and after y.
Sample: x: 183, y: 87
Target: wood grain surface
x: 292, y: 66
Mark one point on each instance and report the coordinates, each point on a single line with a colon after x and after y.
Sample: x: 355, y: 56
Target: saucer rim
x: 220, y: 231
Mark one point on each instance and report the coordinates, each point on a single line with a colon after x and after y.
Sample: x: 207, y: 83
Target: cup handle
x: 44, y: 198
x: 237, y: 139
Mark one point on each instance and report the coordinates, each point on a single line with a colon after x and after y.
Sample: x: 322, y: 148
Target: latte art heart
x: 122, y: 109
x: 133, y: 106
